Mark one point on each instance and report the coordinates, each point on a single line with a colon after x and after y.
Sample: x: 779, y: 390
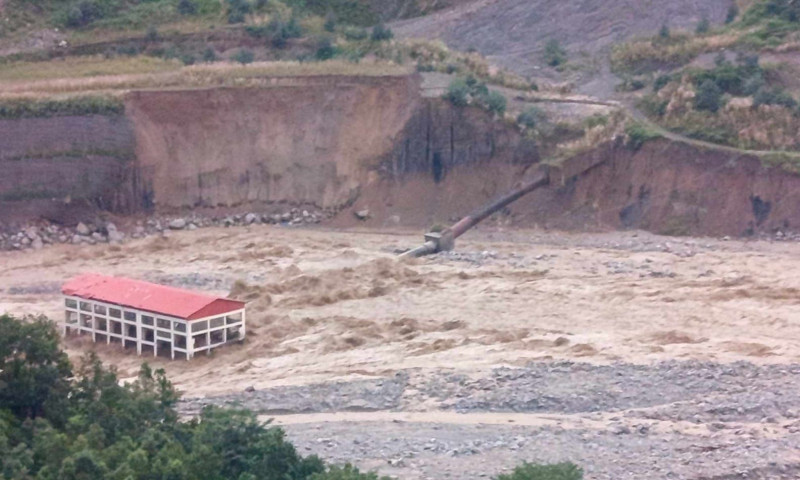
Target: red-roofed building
x: 149, y: 316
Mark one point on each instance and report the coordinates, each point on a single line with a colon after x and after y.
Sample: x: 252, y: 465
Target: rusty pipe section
x: 445, y: 240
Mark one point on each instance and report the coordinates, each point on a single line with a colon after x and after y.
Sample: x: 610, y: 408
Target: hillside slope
x: 513, y: 33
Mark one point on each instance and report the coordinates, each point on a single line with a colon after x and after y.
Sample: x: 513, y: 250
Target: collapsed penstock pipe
x: 436, y: 242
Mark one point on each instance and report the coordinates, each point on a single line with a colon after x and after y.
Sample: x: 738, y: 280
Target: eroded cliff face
x: 369, y: 143
x: 307, y: 140
x: 670, y: 188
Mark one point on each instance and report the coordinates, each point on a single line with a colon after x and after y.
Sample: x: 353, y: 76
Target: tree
x: 34, y: 372
x: 708, y: 97
x: 554, y: 53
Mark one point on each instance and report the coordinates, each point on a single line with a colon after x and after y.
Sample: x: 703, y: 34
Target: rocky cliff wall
x: 49, y: 163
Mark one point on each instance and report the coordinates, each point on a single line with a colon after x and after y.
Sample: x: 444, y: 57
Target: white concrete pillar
x: 139, y: 333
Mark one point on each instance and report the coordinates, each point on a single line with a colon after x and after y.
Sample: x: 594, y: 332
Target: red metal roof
x: 175, y: 302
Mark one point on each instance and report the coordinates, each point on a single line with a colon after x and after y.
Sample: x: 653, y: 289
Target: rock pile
x: 36, y: 236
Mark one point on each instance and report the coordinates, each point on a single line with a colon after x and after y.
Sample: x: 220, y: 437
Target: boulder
x: 177, y: 224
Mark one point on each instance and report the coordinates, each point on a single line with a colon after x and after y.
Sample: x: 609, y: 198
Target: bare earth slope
x: 513, y: 33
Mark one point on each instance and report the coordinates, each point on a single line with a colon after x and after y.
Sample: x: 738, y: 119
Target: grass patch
x: 86, y: 66
x: 256, y: 74
x: 121, y: 155
x: 82, y: 105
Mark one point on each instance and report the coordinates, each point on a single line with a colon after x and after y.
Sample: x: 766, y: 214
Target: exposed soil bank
x: 670, y: 188
x: 356, y: 143
x: 306, y: 142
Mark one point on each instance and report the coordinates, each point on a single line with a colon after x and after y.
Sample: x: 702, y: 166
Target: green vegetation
x: 733, y: 13
x: 531, y: 118
x: 773, y: 96
x: 458, y: 92
x: 664, y: 33
x: 496, y: 103
x: 703, y: 26
x: 325, y: 49
x: 61, y: 423
x: 639, y: 134
x: 561, y: 471
x: 244, y: 56
x: 469, y: 91
x: 80, y: 14
x: 83, y: 105
x: 554, y: 54
x: 709, y: 97
x: 381, y: 33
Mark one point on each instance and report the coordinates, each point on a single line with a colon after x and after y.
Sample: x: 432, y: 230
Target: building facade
x: 151, y: 318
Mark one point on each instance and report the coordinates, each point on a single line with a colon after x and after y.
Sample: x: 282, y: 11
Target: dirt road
x: 619, y: 342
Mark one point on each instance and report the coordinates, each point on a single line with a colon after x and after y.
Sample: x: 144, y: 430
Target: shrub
x: 561, y: 471
x: 330, y: 22
x: 554, y: 53
x: 664, y: 33
x: 237, y: 10
x: 775, y: 96
x: 355, y: 33
x: 638, y: 135
x: 209, y: 55
x: 496, y: 103
x: 152, y: 34
x: 381, y: 33
x: 703, y: 26
x: 458, y: 92
x: 596, y: 120
x: 83, y: 13
x: 631, y: 84
x: 708, y: 97
x: 244, y: 56
x: 325, y: 49
x: 187, y: 7
x: 653, y: 106
x: 531, y: 117
x: 753, y: 84
x: 661, y: 81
